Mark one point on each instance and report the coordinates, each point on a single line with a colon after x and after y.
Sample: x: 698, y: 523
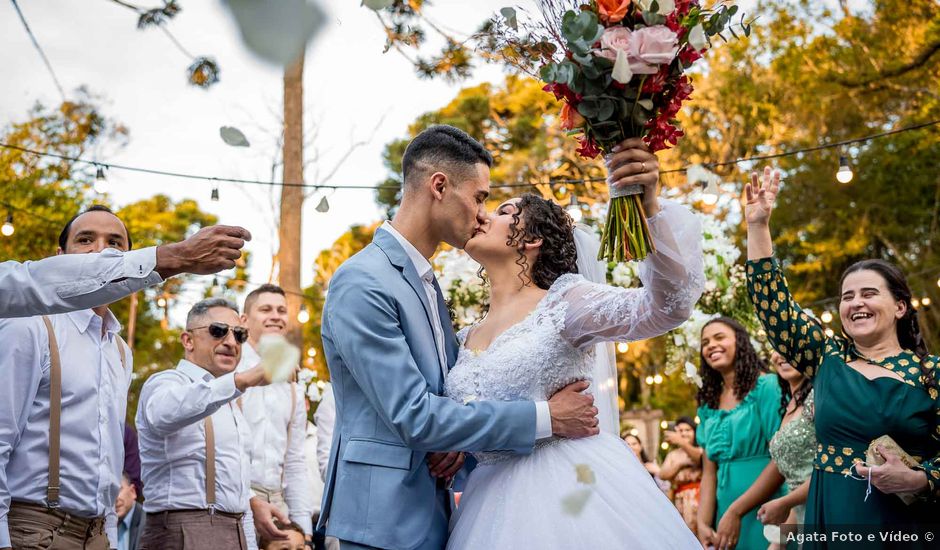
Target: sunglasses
x: 220, y: 330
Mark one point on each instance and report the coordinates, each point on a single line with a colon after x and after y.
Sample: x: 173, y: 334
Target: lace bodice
x: 553, y: 345
x: 793, y: 447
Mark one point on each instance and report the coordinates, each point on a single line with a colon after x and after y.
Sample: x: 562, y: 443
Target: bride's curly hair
x: 537, y: 218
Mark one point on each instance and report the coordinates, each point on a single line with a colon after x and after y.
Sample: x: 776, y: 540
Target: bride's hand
x: 760, y: 196
x: 632, y: 163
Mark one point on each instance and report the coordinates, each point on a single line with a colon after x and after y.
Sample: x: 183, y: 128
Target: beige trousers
x: 35, y: 526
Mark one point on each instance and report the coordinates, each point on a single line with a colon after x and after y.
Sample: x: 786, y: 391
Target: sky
x: 353, y: 92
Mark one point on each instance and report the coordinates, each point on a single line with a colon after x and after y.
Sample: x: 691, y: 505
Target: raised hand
x: 209, y: 251
x: 760, y: 196
x: 573, y: 413
x: 632, y: 163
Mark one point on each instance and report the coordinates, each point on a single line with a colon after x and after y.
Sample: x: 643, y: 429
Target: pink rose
x: 651, y: 47
x: 614, y: 39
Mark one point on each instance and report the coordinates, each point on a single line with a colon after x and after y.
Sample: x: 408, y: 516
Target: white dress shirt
x: 94, y: 402
x: 267, y: 409
x: 543, y: 417
x: 315, y: 484
x: 172, y: 405
x: 71, y: 282
x: 325, y: 419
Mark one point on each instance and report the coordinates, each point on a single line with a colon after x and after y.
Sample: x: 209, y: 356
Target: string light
x: 303, y: 316
x: 664, y: 424
x: 101, y: 182
x: 925, y: 301
x: 623, y: 347
x: 915, y: 302
x: 312, y: 352
x: 826, y: 317
x: 8, y: 228
x: 574, y: 208
x: 844, y: 175
x: 658, y: 379
x: 323, y: 206
x: 215, y: 193
x: 649, y: 380
x: 161, y: 302
x: 664, y: 446
x: 634, y: 432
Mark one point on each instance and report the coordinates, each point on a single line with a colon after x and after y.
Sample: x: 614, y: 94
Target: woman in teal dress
x: 739, y: 414
x: 876, y: 380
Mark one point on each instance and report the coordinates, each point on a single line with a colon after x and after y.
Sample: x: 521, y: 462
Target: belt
x: 90, y: 525
x: 196, y: 511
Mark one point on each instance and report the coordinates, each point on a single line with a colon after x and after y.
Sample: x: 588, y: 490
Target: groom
x: 389, y: 344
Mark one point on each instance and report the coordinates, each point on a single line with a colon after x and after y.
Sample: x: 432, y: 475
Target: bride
x: 550, y: 321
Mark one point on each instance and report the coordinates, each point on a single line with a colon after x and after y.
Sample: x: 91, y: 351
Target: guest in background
x: 325, y: 419
x: 295, y: 538
x: 132, y: 457
x: 130, y: 514
x: 637, y: 446
x: 194, y: 441
x: 682, y: 467
x: 277, y: 418
x: 739, y: 411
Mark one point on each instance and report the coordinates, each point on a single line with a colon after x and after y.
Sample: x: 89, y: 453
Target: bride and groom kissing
x: 412, y: 396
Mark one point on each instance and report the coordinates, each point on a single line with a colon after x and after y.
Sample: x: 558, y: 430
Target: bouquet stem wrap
x: 626, y: 234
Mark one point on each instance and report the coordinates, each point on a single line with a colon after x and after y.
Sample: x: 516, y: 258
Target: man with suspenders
x: 63, y: 398
x: 277, y: 418
x: 194, y: 440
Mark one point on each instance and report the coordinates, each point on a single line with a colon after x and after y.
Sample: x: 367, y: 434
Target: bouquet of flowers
x: 619, y: 67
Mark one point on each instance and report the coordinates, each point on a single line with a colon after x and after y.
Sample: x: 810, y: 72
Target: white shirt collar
x: 83, y: 319
x: 194, y: 371
x: 420, y: 263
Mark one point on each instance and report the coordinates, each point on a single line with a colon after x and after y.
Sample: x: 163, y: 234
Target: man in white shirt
x: 276, y: 415
x: 63, y: 398
x: 70, y: 283
x: 194, y: 441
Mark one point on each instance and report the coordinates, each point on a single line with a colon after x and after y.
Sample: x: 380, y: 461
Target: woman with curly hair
x: 876, y: 379
x: 739, y: 413
x: 550, y: 317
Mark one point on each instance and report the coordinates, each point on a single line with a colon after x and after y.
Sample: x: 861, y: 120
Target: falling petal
x: 279, y: 358
x: 203, y: 72
x: 233, y: 136
x: 574, y: 503
x: 585, y: 474
x: 377, y: 4
x: 277, y: 31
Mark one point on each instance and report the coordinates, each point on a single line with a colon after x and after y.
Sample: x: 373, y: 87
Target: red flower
x: 588, y: 148
x: 562, y: 91
x: 683, y: 6
x: 672, y: 21
x: 657, y: 82
x: 662, y: 134
x: 689, y: 55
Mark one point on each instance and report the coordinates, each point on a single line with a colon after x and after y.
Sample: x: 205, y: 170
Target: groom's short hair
x: 442, y: 148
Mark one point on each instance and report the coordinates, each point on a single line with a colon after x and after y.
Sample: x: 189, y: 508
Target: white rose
x: 697, y: 38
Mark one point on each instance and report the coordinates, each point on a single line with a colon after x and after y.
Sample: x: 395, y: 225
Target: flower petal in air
x: 622, y: 72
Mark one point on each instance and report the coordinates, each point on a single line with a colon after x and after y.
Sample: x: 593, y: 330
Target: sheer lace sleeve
x: 673, y: 278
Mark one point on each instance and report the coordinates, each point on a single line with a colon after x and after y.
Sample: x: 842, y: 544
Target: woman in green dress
x: 876, y: 380
x: 739, y: 414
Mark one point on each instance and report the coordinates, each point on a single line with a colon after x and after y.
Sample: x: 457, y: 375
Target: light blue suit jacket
x: 390, y: 412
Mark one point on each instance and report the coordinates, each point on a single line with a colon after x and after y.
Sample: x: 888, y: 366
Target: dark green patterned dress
x: 852, y: 410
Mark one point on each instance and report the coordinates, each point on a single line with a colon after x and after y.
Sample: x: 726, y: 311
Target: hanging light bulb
x: 649, y: 380
x: 215, y: 193
x: 312, y: 352
x: 623, y: 347
x: 710, y: 192
x: 101, y: 182
x: 658, y: 379
x: 664, y: 424
x: 574, y: 208
x: 303, y: 316
x: 925, y: 301
x: 826, y: 317
x: 634, y: 432
x: 844, y: 175
x: 8, y: 228
x: 664, y: 446
x: 161, y: 302
x: 915, y: 302
x: 938, y: 281
x: 323, y: 206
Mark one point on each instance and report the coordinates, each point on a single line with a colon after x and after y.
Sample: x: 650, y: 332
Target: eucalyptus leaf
x: 233, y: 136
x: 277, y: 32
x: 509, y: 14
x: 605, y: 109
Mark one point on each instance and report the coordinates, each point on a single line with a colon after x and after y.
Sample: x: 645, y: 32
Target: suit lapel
x: 450, y: 340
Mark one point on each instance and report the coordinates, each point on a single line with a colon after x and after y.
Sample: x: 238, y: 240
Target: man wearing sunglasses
x: 194, y: 441
x: 63, y: 398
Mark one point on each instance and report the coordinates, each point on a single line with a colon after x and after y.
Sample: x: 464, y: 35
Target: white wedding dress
x: 588, y: 493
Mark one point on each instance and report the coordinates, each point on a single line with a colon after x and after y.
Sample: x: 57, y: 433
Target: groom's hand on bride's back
x: 573, y: 412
